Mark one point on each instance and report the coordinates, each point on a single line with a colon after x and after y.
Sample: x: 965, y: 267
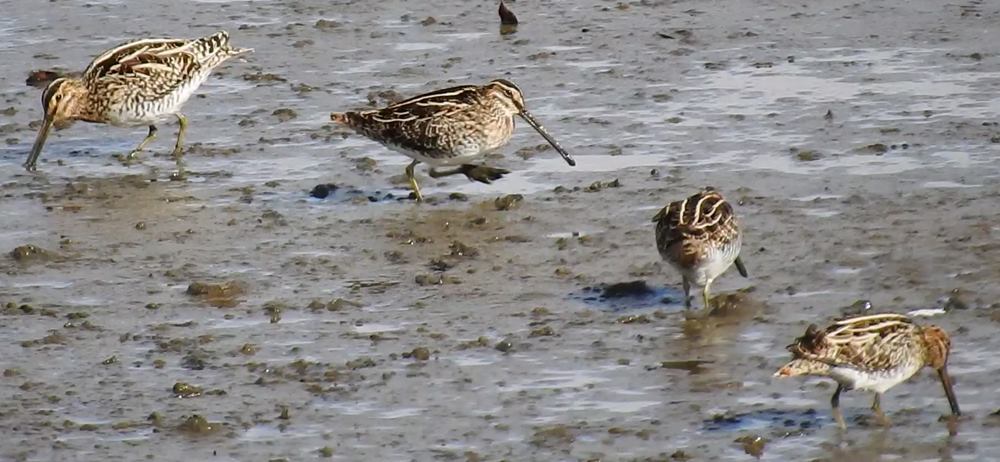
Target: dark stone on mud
x: 956, y: 301
x: 212, y: 291
x: 460, y: 249
x: 365, y: 164
x: 420, y: 354
x: 42, y: 78
x: 360, y: 363
x: 680, y: 455
x: 504, y: 345
x: 508, y: 202
x: 633, y: 319
x: 600, y: 185
x: 186, y: 390
x: 543, y: 331
x: 857, y: 308
x: 326, y: 24
x: 197, y: 424
x: 440, y: 264
x: 627, y: 289
x: 263, y: 77
x: 753, y: 445
x: 322, y: 191
x: 284, y: 114
x: 29, y: 252
x: 193, y: 362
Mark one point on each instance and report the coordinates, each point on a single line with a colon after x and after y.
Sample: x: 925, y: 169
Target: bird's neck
x: 82, y: 106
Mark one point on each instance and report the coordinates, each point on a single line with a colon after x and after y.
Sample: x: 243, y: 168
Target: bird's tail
x: 215, y: 48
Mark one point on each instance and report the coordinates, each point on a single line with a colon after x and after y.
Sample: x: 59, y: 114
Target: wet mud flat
x: 233, y: 316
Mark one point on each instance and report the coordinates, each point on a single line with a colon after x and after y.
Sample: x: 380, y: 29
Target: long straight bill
x: 541, y: 131
x: 36, y: 150
x: 948, y: 391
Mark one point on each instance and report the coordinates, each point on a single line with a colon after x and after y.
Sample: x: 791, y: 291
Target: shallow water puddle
x: 629, y: 296
x: 768, y: 419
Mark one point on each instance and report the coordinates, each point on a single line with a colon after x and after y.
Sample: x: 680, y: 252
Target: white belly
x: 877, y: 381
x: 712, y: 265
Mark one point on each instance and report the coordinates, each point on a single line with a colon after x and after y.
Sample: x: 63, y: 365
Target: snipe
x: 874, y: 353
x: 700, y: 237
x: 450, y: 127
x: 136, y: 83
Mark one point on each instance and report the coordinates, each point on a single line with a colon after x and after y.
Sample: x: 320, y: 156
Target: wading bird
x: 874, y: 353
x: 136, y: 83
x: 701, y: 238
x: 449, y: 127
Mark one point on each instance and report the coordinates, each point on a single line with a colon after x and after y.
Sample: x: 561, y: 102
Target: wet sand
x: 366, y: 327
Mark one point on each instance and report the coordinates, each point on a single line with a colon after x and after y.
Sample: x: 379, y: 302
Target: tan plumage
x: 452, y: 126
x: 873, y: 352
x: 136, y: 83
x: 700, y: 237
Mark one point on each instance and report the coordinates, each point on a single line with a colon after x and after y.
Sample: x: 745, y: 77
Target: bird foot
x: 129, y: 158
x: 483, y: 174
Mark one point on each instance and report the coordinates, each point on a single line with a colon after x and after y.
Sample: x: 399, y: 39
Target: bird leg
x: 413, y: 180
x: 877, y: 409
x: 480, y: 173
x: 835, y: 403
x: 182, y: 123
x: 687, y: 292
x: 740, y: 267
x: 704, y: 295
x: 142, y: 145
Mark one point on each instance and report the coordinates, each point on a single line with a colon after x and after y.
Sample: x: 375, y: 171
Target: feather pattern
x: 136, y: 83
x: 872, y: 352
x: 142, y: 81
x: 700, y: 237
x: 443, y: 127
x: 451, y: 126
x: 870, y: 343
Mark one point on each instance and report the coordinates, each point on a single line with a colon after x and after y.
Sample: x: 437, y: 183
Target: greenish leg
x: 877, y: 409
x: 142, y: 145
x: 182, y: 122
x: 704, y: 295
x: 413, y: 180
x: 835, y: 403
x: 687, y: 292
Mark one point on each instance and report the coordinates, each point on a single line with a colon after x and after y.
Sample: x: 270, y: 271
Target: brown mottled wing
x: 129, y: 57
x: 423, y: 105
x: 691, y: 218
x: 873, y: 342
x: 152, y: 68
x: 668, y: 228
x: 416, y: 124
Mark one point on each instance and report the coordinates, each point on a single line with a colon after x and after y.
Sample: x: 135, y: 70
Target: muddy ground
x: 231, y: 316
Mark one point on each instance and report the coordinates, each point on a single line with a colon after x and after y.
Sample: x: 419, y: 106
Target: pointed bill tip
x: 545, y: 134
x: 36, y: 149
